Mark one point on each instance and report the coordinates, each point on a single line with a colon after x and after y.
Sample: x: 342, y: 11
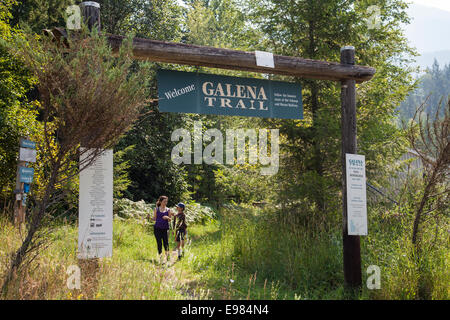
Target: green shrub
x: 140, y: 210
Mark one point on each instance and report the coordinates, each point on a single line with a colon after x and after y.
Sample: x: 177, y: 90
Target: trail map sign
x: 202, y: 93
x: 96, y: 208
x: 356, y: 194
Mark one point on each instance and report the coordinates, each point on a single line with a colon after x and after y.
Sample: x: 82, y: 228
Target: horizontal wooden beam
x: 180, y: 53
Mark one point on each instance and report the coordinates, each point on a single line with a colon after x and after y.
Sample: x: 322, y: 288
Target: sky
x: 440, y: 4
x: 430, y: 22
x: 426, y: 32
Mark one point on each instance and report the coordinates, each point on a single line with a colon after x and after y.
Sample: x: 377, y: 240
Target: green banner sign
x: 202, y: 93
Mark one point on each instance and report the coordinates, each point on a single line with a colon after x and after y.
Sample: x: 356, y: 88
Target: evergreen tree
x: 222, y: 23
x: 40, y: 14
x: 17, y: 114
x: 432, y: 90
x: 150, y: 169
x: 317, y: 30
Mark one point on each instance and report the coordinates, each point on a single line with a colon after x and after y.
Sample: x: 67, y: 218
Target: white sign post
x: 356, y: 195
x: 95, y: 221
x: 264, y: 59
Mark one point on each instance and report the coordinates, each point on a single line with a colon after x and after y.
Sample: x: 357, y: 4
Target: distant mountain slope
x: 427, y: 59
x: 429, y: 33
x: 433, y: 90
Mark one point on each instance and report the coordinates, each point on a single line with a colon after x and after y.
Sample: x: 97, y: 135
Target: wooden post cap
x: 91, y: 14
x: 348, y: 48
x: 348, y: 55
x: 90, y: 4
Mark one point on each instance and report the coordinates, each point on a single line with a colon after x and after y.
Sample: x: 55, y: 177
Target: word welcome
x: 237, y: 143
x: 178, y: 92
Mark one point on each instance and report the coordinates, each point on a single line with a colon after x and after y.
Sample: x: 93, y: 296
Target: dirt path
x: 187, y: 286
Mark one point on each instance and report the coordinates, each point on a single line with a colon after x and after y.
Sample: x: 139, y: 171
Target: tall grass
x: 406, y: 272
x: 262, y: 251
x: 247, y: 253
x: 255, y: 255
x: 132, y: 272
x: 302, y: 260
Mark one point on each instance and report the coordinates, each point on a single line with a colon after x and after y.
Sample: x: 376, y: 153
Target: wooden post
x: 19, y: 209
x: 90, y: 267
x: 90, y: 271
x: 90, y: 11
x: 352, y: 254
x: 194, y: 55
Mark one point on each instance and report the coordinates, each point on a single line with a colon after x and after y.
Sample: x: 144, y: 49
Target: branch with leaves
x: 88, y: 98
x: 429, y: 137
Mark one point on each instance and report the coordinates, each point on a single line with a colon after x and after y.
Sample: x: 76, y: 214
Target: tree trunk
x: 428, y: 190
x: 317, y: 155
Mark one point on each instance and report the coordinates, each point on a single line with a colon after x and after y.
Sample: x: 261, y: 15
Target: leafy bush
x: 127, y: 209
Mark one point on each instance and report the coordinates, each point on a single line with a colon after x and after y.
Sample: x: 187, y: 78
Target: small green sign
x: 202, y: 93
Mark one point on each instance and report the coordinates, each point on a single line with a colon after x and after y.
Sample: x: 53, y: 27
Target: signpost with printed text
x: 356, y: 194
x: 95, y: 217
x: 27, y: 154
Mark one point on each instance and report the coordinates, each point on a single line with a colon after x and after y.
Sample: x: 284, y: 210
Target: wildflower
x: 231, y: 280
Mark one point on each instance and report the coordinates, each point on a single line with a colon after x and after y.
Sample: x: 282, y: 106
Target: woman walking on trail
x: 162, y: 215
x: 179, y: 226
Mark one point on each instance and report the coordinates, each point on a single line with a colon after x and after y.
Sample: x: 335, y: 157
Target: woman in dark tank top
x: 162, y: 215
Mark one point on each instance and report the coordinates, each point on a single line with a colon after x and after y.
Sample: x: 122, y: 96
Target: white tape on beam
x: 264, y: 59
x: 90, y: 4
